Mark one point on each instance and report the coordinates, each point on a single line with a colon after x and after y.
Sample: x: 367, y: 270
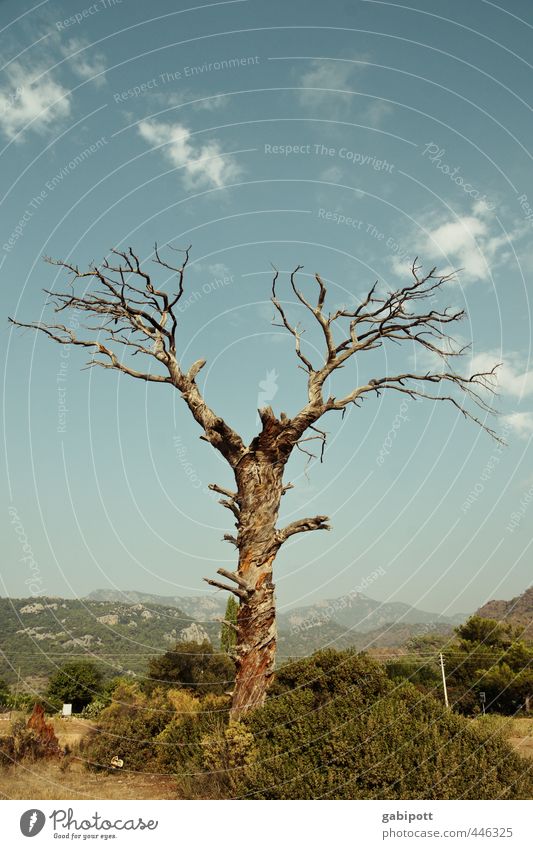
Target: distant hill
x: 203, y: 608
x: 332, y: 635
x: 122, y: 630
x: 518, y: 611
x: 354, y: 611
x: 361, y: 613
x: 352, y: 620
x: 39, y: 634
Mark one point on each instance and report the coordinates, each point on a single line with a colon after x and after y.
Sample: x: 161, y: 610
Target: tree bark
x: 259, y: 489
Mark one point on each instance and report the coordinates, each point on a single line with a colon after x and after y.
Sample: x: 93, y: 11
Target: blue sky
x: 348, y: 137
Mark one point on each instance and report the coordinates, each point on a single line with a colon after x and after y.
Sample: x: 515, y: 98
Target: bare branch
x: 233, y: 576
x: 395, y: 317
x: 317, y: 523
x: 232, y: 539
x: 293, y: 330
x: 220, y: 489
x: 69, y: 338
x: 229, y: 624
x: 140, y: 319
x: 230, y: 505
x: 242, y: 594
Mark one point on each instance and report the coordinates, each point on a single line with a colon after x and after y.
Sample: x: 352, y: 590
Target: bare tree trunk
x: 259, y: 481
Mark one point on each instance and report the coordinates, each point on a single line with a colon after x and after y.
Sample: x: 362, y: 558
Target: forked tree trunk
x: 259, y: 481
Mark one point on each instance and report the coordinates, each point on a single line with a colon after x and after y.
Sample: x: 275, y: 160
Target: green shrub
x: 334, y: 726
x: 329, y: 672
x: 128, y: 729
x: 423, y: 675
x: 95, y: 708
x: 228, y: 753
x: 367, y: 739
x: 180, y: 743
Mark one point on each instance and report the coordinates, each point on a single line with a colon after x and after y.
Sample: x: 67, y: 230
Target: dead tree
x: 130, y: 315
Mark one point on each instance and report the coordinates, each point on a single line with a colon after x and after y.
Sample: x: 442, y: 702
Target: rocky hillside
x: 518, y: 611
x: 39, y: 634
x: 122, y: 630
x: 358, y: 612
x: 354, y: 611
x: 203, y: 608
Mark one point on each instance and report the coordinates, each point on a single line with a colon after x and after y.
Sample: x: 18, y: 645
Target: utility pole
x: 446, y: 702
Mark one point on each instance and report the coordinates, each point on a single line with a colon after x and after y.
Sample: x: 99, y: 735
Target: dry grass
x: 69, y: 731
x: 69, y: 779
x: 48, y: 780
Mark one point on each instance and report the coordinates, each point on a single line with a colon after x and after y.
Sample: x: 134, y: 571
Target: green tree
x: 490, y: 632
x: 489, y: 658
x: 228, y: 632
x: 76, y: 683
x: 195, y: 667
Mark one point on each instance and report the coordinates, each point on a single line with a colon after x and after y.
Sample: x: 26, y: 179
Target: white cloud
x: 511, y: 377
x: 521, y: 424
x: 31, y: 100
x: 323, y: 74
x: 84, y: 65
x: 201, y: 166
x: 472, y: 242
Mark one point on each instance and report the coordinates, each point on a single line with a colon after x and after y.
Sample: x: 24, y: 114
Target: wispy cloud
x: 472, y: 242
x: 322, y: 79
x: 197, y: 102
x: 31, y: 100
x: 513, y: 378
x: 521, y: 424
x: 377, y: 112
x: 326, y: 85
x: 201, y: 166
x: 86, y: 65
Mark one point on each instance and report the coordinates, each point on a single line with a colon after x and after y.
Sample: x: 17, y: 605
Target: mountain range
x: 354, y: 611
x: 41, y: 633
x: 122, y: 630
